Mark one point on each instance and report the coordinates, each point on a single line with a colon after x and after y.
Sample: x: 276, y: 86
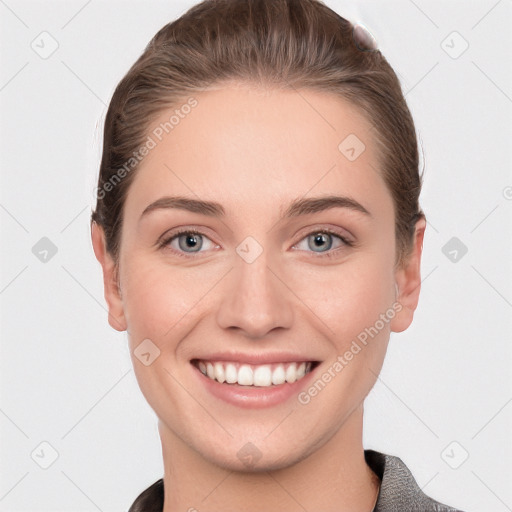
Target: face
x: 277, y: 283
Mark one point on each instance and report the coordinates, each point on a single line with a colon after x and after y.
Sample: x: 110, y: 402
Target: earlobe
x: 116, y: 317
x: 408, y: 282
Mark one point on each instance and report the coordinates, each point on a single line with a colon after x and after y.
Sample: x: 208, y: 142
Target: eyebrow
x: 298, y: 207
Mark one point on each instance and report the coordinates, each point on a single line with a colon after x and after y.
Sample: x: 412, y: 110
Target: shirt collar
x: 398, y: 489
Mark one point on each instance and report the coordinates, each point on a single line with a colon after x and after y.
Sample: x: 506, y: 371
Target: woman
x: 260, y: 236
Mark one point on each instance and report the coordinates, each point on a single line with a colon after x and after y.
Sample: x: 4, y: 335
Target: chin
x: 247, y: 457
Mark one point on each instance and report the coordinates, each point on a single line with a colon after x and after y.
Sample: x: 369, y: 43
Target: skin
x: 255, y: 150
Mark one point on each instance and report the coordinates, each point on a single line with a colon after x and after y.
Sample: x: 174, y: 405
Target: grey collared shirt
x: 399, y: 492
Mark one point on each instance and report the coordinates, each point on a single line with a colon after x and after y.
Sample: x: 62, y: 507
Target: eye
x: 321, y: 242
x: 187, y: 241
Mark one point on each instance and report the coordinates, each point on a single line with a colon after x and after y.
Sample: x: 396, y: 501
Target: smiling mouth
x: 263, y: 375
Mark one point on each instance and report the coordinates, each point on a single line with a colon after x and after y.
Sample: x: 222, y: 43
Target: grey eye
x: 320, y: 240
x: 190, y: 241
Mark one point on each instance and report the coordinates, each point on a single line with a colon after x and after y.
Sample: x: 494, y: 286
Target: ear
x: 116, y: 317
x: 408, y: 280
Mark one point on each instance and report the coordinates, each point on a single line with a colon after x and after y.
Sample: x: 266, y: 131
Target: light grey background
x: 445, y: 391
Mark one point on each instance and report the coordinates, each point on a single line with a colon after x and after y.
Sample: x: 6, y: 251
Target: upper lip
x: 256, y: 359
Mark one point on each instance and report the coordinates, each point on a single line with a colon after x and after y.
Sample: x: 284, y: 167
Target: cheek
x: 349, y: 297
x: 163, y: 302
x: 355, y: 303
x: 161, y: 305
x: 156, y: 299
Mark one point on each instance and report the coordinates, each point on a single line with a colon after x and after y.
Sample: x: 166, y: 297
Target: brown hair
x: 288, y: 44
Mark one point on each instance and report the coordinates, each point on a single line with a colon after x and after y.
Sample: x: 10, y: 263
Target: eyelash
x: 331, y: 254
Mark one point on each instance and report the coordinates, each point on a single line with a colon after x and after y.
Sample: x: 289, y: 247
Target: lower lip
x: 253, y: 397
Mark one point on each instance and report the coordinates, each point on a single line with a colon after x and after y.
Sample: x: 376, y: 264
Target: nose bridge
x: 256, y: 300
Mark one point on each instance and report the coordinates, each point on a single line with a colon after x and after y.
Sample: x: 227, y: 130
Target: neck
x: 334, y: 478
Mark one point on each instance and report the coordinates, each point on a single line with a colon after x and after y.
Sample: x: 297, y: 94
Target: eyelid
x: 324, y: 228
x: 180, y: 230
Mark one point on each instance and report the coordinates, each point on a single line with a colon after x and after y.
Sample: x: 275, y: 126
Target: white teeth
x: 231, y: 373
x: 263, y: 376
x: 301, y: 370
x: 278, y: 375
x: 251, y: 375
x: 219, y: 373
x: 291, y: 373
x: 245, y: 375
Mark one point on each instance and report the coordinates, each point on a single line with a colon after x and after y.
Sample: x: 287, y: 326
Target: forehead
x: 256, y: 146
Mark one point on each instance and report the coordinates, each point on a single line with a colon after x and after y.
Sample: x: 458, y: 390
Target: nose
x: 256, y: 300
